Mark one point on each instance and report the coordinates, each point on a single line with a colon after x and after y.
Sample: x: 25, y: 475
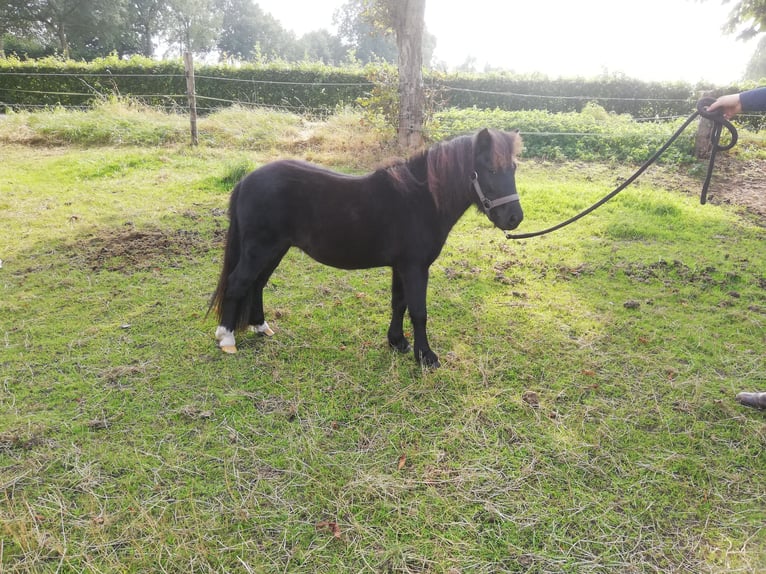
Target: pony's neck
x: 417, y: 169
x: 443, y: 187
x: 448, y: 174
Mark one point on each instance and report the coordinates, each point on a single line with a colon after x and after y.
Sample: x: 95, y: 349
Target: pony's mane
x: 449, y: 165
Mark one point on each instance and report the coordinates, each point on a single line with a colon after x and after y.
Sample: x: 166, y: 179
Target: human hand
x: 729, y: 105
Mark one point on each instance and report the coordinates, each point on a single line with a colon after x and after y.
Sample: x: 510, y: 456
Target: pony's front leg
x: 396, y: 337
x: 415, y: 287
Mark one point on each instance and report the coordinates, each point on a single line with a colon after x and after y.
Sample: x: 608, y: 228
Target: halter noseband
x: 491, y: 203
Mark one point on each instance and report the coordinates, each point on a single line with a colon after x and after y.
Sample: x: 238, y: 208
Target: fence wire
x: 175, y: 102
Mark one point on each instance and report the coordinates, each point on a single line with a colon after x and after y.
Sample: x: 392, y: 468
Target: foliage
x: 143, y: 26
x: 381, y: 105
x: 85, y: 28
x: 25, y: 47
x: 756, y: 67
x: 249, y: 33
x: 358, y: 28
x: 615, y: 93
x: 583, y: 421
x: 344, y: 136
x: 592, y: 134
x: 312, y: 88
x: 191, y: 25
x: 88, y: 29
x: 316, y: 87
x: 747, y: 18
x: 120, y: 122
x: 369, y: 26
x: 322, y: 46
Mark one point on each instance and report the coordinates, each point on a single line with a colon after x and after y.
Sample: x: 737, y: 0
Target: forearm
x: 753, y: 100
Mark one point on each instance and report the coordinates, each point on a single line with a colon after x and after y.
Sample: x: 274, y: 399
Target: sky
x: 650, y: 40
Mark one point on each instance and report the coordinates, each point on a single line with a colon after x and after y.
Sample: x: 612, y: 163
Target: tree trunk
x: 63, y: 41
x: 147, y: 49
x: 410, y: 22
x: 703, y: 144
x: 191, y: 95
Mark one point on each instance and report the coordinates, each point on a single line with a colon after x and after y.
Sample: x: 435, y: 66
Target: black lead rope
x: 719, y: 123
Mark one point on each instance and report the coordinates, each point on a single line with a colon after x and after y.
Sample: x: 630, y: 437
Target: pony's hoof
x: 429, y: 360
x: 263, y: 329
x: 402, y: 345
x: 226, y: 340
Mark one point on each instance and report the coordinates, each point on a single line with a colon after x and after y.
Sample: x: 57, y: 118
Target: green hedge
x: 51, y: 82
x: 619, y: 95
x: 316, y: 87
x: 590, y: 134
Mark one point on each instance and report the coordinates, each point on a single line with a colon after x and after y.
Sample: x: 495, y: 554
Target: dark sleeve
x: 753, y: 100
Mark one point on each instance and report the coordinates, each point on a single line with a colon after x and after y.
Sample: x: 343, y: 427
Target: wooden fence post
x: 703, y: 145
x: 191, y: 95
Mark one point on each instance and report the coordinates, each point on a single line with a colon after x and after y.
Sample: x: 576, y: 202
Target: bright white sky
x: 662, y: 40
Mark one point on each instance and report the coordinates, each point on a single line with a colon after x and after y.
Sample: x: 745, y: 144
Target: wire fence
x: 99, y: 86
x: 177, y: 101
x: 172, y: 101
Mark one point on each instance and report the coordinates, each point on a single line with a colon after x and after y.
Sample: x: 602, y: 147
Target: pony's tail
x: 230, y: 257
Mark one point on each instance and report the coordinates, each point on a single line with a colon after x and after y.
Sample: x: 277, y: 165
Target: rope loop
x: 719, y: 123
x: 717, y: 118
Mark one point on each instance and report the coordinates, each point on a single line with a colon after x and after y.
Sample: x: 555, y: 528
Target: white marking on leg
x: 263, y: 328
x: 226, y: 339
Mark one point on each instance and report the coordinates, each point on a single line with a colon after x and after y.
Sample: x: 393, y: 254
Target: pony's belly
x: 344, y: 242
x: 348, y: 259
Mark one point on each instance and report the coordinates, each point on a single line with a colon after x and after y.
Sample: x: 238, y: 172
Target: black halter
x: 491, y: 203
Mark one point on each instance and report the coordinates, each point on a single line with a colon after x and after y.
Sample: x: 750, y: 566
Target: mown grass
x: 583, y: 420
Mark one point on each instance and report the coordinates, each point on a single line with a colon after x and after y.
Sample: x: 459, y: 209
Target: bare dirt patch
x: 740, y: 182
x: 736, y: 182
x: 134, y: 250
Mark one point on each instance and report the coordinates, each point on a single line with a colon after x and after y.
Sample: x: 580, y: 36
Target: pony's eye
x: 492, y: 171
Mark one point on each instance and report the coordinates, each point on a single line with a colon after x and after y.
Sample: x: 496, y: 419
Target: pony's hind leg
x: 257, y: 322
x: 235, y: 303
x: 227, y: 323
x: 396, y: 338
x: 226, y: 340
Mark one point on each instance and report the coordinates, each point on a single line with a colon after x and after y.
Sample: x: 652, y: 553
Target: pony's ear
x: 483, y: 148
x: 483, y: 141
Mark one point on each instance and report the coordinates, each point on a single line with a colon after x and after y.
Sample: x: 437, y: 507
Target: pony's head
x: 494, y: 178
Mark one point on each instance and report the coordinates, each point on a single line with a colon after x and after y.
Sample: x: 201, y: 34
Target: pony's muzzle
x: 514, y: 223
x: 508, y: 221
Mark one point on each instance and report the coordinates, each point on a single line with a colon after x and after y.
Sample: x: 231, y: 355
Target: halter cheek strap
x: 491, y: 203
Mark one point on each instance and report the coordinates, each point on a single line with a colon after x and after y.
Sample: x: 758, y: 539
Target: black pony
x: 396, y: 217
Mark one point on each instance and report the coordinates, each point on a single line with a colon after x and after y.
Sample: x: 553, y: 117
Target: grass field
x: 583, y: 420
